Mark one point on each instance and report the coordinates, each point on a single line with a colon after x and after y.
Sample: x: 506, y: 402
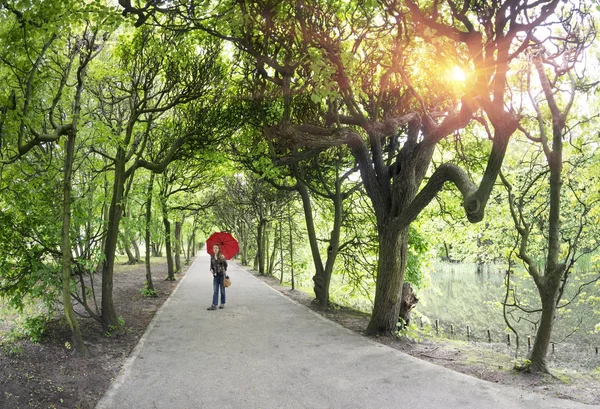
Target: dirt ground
x: 48, y: 375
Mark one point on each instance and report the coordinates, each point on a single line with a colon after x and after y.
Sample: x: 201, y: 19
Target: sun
x: 457, y: 74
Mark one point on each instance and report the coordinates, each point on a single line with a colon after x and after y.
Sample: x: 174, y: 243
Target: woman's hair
x: 219, y: 256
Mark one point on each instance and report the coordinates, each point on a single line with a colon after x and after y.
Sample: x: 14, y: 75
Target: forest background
x: 350, y: 146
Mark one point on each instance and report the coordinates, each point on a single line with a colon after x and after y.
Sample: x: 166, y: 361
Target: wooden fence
x: 469, y: 335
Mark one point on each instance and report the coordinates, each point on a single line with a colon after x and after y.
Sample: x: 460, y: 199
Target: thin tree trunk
x: 167, y: 224
x: 291, y: 250
x: 156, y: 249
x: 273, y: 254
x: 281, y: 250
x: 178, y: 247
x: 333, y: 248
x: 260, y: 254
x: 136, y: 250
x: 245, y: 246
x: 149, y: 283
x: 105, y: 215
x: 130, y: 256
x: 189, y: 249
x: 78, y: 344
x: 318, y: 278
x: 110, y: 321
x: 549, y: 284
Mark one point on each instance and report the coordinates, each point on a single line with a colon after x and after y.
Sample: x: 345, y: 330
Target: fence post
x: 508, y: 339
x: 489, y: 336
x: 437, y: 324
x: 529, y: 343
x: 468, y: 333
x: 452, y: 333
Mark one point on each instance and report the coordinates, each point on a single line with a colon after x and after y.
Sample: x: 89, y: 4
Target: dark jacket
x: 218, y: 266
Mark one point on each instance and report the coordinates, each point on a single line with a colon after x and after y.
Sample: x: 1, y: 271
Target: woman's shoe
x: 211, y: 308
x: 222, y: 306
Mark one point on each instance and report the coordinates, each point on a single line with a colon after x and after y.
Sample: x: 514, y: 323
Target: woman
x: 218, y: 268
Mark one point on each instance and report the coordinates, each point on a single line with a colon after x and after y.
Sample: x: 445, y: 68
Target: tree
x: 374, y: 67
x: 555, y: 67
x: 156, y: 72
x: 57, y: 56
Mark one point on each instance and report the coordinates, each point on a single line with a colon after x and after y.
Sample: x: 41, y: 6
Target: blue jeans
x: 218, y: 283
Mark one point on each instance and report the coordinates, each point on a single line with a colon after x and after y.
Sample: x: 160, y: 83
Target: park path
x: 264, y: 351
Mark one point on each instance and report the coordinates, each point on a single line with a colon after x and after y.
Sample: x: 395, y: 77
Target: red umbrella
x: 229, y: 245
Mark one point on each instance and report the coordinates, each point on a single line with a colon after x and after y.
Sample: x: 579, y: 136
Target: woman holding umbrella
x: 221, y: 246
x: 218, y: 268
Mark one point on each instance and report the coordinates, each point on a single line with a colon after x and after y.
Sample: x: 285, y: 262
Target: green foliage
x: 523, y: 365
x: 12, y: 349
x: 146, y: 292
x: 26, y: 320
x: 113, y: 329
x: 34, y: 328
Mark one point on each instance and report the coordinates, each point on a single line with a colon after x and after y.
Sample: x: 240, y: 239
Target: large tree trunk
x: 78, y: 344
x: 393, y: 249
x: 149, y: 283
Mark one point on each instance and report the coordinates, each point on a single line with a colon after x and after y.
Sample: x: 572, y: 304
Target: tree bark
x: 78, y: 344
x: 245, y: 241
x: 549, y: 284
x: 136, y: 250
x: 131, y: 260
x: 260, y: 253
x: 281, y: 251
x: 319, y: 276
x: 548, y: 292
x: 168, y: 249
x: 149, y: 283
x: 273, y: 254
x: 105, y: 215
x: 178, y: 247
x: 291, y: 243
x: 110, y: 320
x: 393, y: 249
x: 334, y: 245
x: 409, y: 301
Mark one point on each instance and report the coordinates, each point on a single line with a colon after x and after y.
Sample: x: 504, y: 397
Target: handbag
x: 226, y: 282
